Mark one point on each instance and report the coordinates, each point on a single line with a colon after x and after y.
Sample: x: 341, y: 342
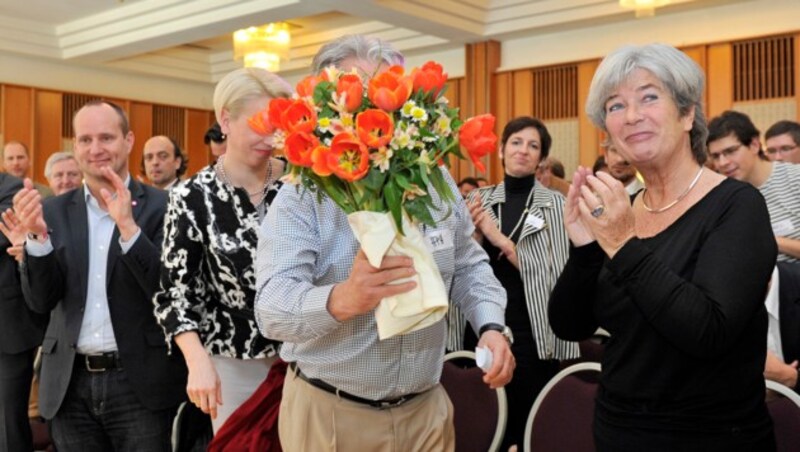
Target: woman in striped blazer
x: 520, y: 224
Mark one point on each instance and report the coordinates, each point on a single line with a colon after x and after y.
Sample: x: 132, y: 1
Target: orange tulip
x: 305, y: 88
x: 276, y: 109
x: 348, y: 157
x: 260, y: 124
x: 375, y: 128
x: 319, y: 159
x: 350, y: 85
x: 478, y: 138
x: 299, y: 117
x: 299, y: 146
x: 430, y: 78
x: 391, y: 89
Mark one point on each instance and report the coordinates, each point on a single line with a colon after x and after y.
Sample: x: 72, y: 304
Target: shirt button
x: 101, y: 247
x: 97, y: 305
x: 96, y: 334
x: 99, y: 276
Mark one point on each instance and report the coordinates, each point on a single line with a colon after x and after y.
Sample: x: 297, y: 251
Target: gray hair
x: 54, y: 158
x: 358, y: 46
x: 681, y: 76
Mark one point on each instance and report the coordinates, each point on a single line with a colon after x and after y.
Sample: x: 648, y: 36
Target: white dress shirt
x: 773, y: 314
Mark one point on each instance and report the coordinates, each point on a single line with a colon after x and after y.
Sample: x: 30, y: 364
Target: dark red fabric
x: 253, y: 427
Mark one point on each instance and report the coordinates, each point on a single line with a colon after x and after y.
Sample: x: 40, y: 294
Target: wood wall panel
x: 195, y: 148
x: 719, y: 78
x: 18, y: 114
x: 522, y: 94
x: 47, y: 131
x: 482, y: 61
x: 504, y: 112
x: 589, y: 140
x: 797, y: 73
x: 141, y: 119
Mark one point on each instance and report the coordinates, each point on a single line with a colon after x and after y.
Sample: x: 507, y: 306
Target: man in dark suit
x: 92, y: 261
x: 786, y: 371
x: 21, y: 332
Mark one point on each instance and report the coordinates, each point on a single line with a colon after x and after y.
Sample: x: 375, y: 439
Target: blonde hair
x: 245, y: 84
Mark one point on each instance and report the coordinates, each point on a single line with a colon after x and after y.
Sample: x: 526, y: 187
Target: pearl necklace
x: 672, y: 204
x: 221, y: 171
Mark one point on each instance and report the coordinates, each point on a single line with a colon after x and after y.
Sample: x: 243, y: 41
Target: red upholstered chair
x: 784, y: 407
x: 479, y: 411
x: 561, y: 417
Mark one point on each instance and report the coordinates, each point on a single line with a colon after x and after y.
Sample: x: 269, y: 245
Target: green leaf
x: 441, y: 186
x: 402, y: 181
x: 394, y: 196
x: 374, y: 180
x: 417, y: 209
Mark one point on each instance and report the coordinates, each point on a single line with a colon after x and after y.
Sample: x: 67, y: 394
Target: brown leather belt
x: 379, y: 404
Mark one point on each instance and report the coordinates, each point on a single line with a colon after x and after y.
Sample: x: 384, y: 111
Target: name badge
x: 783, y: 228
x: 439, y: 239
x: 534, y: 221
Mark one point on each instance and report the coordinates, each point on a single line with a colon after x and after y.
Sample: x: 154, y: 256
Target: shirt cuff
x: 127, y: 245
x: 315, y: 310
x: 37, y: 249
x: 628, y: 258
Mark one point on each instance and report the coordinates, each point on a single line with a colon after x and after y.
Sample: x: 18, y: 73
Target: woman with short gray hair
x: 683, y: 368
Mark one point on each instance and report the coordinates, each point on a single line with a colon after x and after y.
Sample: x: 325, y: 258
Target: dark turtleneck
x: 517, y: 191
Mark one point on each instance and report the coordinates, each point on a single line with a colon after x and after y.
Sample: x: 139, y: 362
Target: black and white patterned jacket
x: 207, y: 267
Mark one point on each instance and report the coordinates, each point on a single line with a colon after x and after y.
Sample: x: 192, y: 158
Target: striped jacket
x: 542, y: 254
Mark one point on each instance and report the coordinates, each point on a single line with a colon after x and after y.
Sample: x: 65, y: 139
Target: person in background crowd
x: 21, y: 332
x: 599, y: 165
x: 735, y: 148
x: 317, y: 292
x: 783, y: 140
x: 62, y: 172
x: 163, y: 162
x: 550, y: 174
x: 17, y: 162
x: 466, y: 185
x: 667, y: 274
x: 526, y: 258
x: 622, y: 171
x: 91, y: 260
x: 207, y: 290
x: 482, y: 182
x: 783, y: 334
x: 215, y: 140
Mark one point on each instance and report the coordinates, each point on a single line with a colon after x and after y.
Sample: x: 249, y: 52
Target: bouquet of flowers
x: 376, y: 147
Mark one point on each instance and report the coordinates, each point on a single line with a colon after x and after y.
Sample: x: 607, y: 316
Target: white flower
x: 332, y: 73
x: 382, y: 158
x: 413, y: 192
x: 407, y: 108
x: 419, y: 114
x: 442, y: 126
x: 324, y: 124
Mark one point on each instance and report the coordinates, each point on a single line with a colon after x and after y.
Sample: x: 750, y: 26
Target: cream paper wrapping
x: 423, y: 306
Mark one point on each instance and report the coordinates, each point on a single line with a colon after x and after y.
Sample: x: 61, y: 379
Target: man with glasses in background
x: 735, y: 148
x: 782, y: 142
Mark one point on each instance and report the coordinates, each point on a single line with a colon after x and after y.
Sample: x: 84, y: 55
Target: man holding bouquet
x: 318, y: 292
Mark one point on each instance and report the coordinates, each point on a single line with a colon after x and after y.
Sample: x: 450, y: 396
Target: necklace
x: 681, y: 196
x: 521, y: 217
x: 221, y: 171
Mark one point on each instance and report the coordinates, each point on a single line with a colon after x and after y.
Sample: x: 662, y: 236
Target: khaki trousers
x: 315, y: 420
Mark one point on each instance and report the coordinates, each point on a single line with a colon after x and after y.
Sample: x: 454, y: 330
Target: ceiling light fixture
x: 263, y: 46
x: 644, y: 8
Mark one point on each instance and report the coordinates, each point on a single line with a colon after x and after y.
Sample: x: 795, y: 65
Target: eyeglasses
x: 781, y: 150
x: 727, y: 152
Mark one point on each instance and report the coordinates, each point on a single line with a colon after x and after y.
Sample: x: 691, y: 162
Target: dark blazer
x: 57, y: 283
x: 20, y: 329
x: 789, y: 311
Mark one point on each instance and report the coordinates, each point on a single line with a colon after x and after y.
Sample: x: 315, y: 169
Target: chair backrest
x: 561, y: 417
x: 479, y: 412
x: 785, y: 412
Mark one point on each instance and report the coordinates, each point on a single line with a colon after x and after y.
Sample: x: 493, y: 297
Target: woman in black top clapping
x: 677, y: 275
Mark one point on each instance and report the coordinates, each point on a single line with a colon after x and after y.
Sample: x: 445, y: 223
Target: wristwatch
x: 502, y: 329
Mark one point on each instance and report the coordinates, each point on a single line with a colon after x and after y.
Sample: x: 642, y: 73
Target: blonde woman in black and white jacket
x: 520, y: 225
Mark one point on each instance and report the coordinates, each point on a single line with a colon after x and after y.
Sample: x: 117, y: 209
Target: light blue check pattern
x: 306, y: 247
